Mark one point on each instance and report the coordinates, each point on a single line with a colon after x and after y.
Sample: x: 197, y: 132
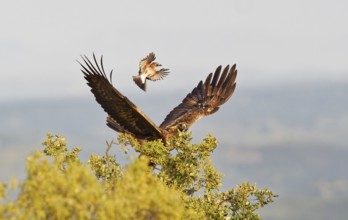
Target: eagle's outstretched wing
x: 204, y: 99
x: 124, y: 116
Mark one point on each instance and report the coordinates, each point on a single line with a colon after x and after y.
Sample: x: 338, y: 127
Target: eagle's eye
x: 182, y: 127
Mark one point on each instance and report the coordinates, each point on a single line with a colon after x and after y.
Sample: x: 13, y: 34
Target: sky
x: 272, y: 42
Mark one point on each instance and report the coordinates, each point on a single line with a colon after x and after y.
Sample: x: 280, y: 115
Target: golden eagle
x: 147, y: 70
x: 125, y: 117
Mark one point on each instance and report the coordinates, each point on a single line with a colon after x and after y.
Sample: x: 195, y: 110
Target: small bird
x: 147, y: 70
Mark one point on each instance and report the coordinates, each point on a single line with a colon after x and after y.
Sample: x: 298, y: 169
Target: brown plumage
x: 148, y: 71
x: 125, y: 117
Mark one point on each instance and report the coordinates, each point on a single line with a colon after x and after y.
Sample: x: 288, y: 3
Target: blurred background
x: 285, y: 127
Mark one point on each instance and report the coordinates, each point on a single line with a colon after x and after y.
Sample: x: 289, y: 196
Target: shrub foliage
x: 172, y: 181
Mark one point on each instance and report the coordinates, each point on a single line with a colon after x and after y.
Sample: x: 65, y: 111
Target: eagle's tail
x: 139, y: 82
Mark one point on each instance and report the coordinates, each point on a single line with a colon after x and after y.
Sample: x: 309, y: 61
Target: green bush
x: 172, y: 181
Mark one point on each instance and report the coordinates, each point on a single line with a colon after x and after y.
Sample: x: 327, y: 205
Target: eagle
x: 125, y: 117
x: 147, y: 70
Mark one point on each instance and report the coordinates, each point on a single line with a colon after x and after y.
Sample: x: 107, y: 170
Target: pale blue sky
x: 271, y: 41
